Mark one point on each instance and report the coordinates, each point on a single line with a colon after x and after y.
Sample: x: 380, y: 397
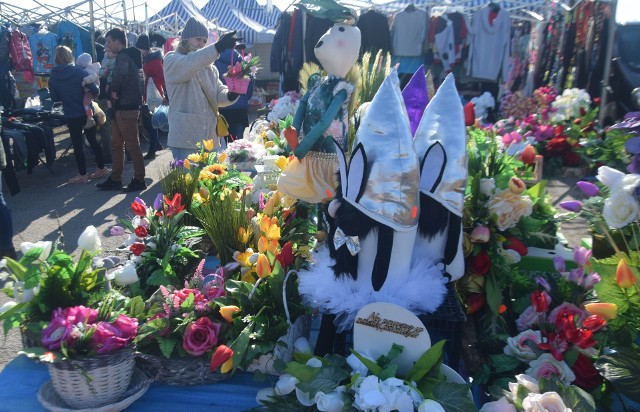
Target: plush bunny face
x: 338, y: 49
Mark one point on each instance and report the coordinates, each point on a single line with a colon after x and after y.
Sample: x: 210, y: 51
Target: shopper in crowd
x: 194, y: 87
x: 107, y: 63
x: 65, y: 85
x: 237, y: 114
x: 6, y: 222
x: 154, y: 91
x: 125, y: 91
x: 86, y: 62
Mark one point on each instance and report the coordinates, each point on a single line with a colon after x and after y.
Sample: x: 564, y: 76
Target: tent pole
x: 93, y: 31
x: 607, y: 63
x: 124, y: 10
x: 105, y: 20
x: 146, y: 19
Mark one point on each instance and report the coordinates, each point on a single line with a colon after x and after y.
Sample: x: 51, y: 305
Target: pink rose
x: 527, y: 319
x: 107, y: 338
x: 569, y: 308
x: 80, y: 314
x: 128, y: 326
x: 547, y: 366
x: 200, y: 336
x: 58, y: 331
x: 518, y: 347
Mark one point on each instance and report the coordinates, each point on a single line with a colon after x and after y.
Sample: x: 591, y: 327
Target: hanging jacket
x: 279, y: 44
x: 153, y: 69
x: 128, y: 80
x: 374, y: 28
x: 69, y: 35
x: 43, y: 46
x: 65, y: 85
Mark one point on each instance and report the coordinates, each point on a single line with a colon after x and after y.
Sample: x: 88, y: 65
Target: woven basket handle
x: 284, y: 293
x: 149, y: 364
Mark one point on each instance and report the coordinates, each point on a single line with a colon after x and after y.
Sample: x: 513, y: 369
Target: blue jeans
x: 151, y: 131
x: 181, y: 153
x: 6, y: 224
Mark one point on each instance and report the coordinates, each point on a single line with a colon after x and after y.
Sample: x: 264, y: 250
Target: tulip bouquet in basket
x: 162, y: 249
x: 358, y: 383
x: 46, y: 278
x: 239, y: 75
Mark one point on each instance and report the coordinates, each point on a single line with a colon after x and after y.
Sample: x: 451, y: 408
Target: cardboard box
x: 540, y: 261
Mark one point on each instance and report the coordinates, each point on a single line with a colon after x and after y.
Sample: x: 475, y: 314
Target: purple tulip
x: 179, y: 163
x: 591, y: 280
x: 576, y: 276
x: 140, y: 201
x: 543, y: 282
x: 117, y: 231
x: 157, y: 204
x: 581, y: 255
x: 588, y: 188
x: 633, y: 145
x: 558, y: 263
x: 571, y: 205
x: 634, y: 166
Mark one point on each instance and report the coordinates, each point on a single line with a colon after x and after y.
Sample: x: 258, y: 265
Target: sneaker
x: 99, y: 173
x: 90, y: 123
x: 109, y: 184
x: 79, y: 179
x: 150, y: 156
x: 135, y: 186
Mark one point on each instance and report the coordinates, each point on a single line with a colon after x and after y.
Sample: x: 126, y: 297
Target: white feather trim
x: 422, y: 290
x: 343, y: 85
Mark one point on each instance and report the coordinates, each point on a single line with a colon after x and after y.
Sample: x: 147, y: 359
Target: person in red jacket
x: 154, y: 72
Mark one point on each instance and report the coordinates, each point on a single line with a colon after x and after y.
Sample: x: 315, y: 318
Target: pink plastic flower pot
x: 238, y: 84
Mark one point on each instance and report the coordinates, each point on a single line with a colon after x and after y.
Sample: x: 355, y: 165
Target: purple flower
x: 571, y: 205
x: 117, y: 231
x: 591, y: 280
x: 140, y: 201
x: 543, y: 282
x: 588, y: 188
x: 558, y: 263
x: 633, y: 145
x: 634, y: 166
x: 157, y: 204
x: 581, y: 256
x: 179, y: 163
x: 107, y: 338
x: 261, y: 201
x: 58, y: 331
x: 576, y: 276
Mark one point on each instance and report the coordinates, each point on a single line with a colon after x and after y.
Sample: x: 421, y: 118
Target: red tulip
x: 516, y: 244
x: 291, y: 134
x: 222, y: 354
x: 475, y: 302
x: 528, y: 155
x: 480, y: 263
x: 141, y: 231
x: 594, y: 323
x: 285, y: 257
x: 583, y: 338
x: 173, y: 206
x: 138, y: 209
x: 539, y: 301
x: 137, y: 248
x: 469, y: 114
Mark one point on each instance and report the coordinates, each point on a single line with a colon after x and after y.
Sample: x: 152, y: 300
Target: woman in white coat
x: 193, y: 85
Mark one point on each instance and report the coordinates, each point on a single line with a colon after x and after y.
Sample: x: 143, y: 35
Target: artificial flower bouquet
x: 239, y: 74
x: 46, y: 278
x: 336, y: 383
x: 287, y: 105
x: 244, y: 153
x: 163, y: 251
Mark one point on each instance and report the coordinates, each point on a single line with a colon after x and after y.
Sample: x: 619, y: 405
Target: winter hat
x: 143, y: 42
x: 194, y: 28
x: 84, y: 60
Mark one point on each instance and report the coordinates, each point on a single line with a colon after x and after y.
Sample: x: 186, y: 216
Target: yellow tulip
x: 186, y: 164
x: 248, y: 276
x: 188, y: 179
x: 608, y: 311
x: 265, y: 223
x: 263, y: 269
x: 282, y: 162
x: 227, y: 312
x: 273, y: 232
x: 227, y: 366
x: 263, y: 243
x: 269, y: 144
x: 624, y: 275
x: 208, y: 144
x: 243, y: 235
x: 194, y: 157
x: 222, y: 157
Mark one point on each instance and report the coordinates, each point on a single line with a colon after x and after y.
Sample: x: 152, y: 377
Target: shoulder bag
x: 222, y: 126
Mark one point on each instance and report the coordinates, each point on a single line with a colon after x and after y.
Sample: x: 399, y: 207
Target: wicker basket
x: 187, y: 371
x: 93, y: 381
x: 238, y: 85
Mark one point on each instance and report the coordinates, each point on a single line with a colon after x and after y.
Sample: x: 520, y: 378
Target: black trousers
x: 75, y: 130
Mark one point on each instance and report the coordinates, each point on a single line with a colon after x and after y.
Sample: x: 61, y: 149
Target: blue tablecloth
x: 22, y: 377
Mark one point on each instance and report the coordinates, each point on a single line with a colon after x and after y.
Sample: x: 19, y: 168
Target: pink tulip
x: 581, y: 256
x: 588, y: 188
x: 558, y: 263
x: 117, y: 231
x: 480, y: 234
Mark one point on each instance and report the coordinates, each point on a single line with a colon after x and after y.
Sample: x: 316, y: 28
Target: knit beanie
x: 194, y: 28
x: 143, y: 42
x: 84, y: 60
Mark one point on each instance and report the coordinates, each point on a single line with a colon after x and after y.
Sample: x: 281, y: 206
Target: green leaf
x: 430, y: 359
x: 453, y: 397
x: 301, y: 357
x: 166, y: 346
x: 504, y: 363
x: 15, y: 309
x: 158, y: 278
x: 136, y: 307
x: 384, y: 360
x: 326, y: 380
x: 493, y: 292
x: 88, y: 279
x: 152, y: 327
x: 301, y: 371
x: 188, y: 302
x: 622, y: 369
x: 240, y: 345
x: 371, y: 365
x: 16, y: 268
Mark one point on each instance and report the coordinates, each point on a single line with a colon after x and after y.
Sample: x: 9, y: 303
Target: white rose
x: 546, y: 366
x: 430, y: 406
x: 609, y: 177
x: 22, y: 295
x: 314, y: 363
x: 627, y: 184
x: 89, y: 239
x: 264, y: 395
x: 509, y: 207
x: 620, y: 210
x: 510, y: 256
x: 286, y: 384
x: 549, y: 401
x: 44, y: 245
x: 501, y: 405
x: 329, y: 402
x: 7, y: 306
x: 301, y: 345
x: 125, y: 275
x: 527, y: 319
x: 303, y: 398
x: 369, y: 395
x: 517, y: 346
x: 357, y: 366
x: 528, y: 382
x: 487, y: 186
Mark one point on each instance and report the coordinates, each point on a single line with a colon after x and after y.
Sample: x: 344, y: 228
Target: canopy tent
x: 175, y: 14
x: 251, y: 20
x: 83, y: 13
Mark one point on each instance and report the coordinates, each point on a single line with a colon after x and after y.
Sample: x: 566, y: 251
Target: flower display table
x: 21, y: 379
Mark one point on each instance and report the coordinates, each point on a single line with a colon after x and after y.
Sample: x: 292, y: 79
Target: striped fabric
x: 250, y: 19
x: 183, y: 9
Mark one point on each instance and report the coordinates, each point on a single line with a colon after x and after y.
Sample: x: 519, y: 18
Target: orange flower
x: 217, y: 169
x: 262, y: 267
x: 243, y: 235
x: 274, y: 232
x: 608, y: 311
x: 227, y: 312
x: 265, y: 245
x: 221, y: 356
x: 624, y: 275
x: 222, y: 157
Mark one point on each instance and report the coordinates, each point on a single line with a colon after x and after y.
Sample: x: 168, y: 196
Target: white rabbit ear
x: 356, y: 176
x: 432, y: 168
x: 343, y: 171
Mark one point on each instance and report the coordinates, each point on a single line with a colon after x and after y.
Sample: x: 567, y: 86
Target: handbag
x: 222, y: 126
x: 154, y: 98
x: 99, y: 115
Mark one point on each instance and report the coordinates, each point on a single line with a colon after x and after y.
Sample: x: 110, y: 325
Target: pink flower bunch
x: 517, y: 105
x: 579, y: 275
x: 235, y: 70
x: 78, y: 329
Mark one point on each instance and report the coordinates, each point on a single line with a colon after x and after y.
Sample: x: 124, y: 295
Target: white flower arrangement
x: 284, y: 106
x: 483, y: 103
x: 567, y: 106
